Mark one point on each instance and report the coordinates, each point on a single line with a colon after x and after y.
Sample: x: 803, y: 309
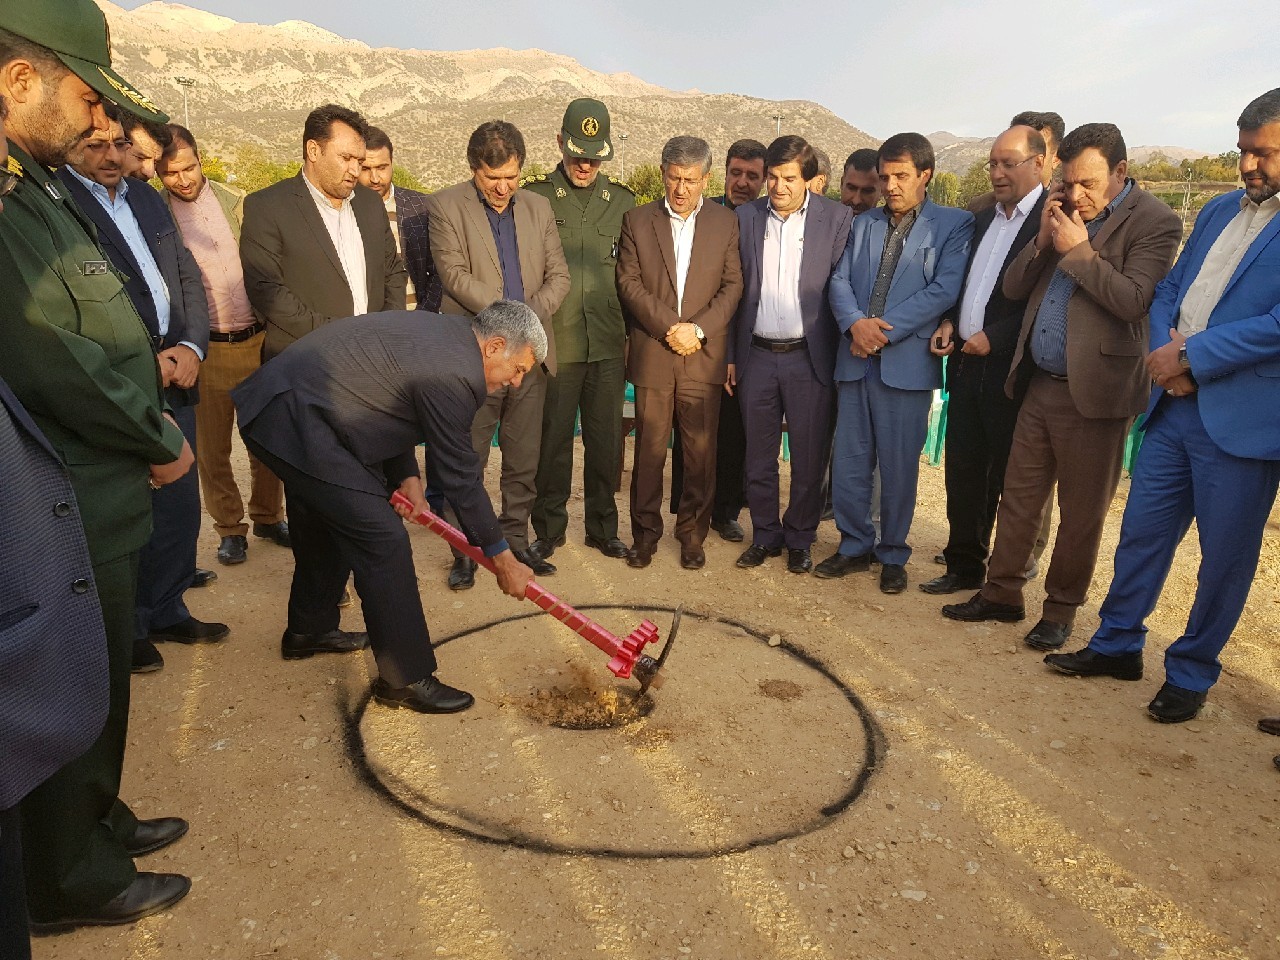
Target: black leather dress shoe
x: 951, y: 583
x: 692, y: 557
x: 544, y: 547
x: 1270, y: 725
x: 1047, y: 635
x: 612, y: 547
x: 840, y: 565
x: 893, y: 578
x: 755, y: 555
x: 1175, y: 704
x: 151, y: 835
x: 1090, y: 663
x: 149, y: 893
x: 799, y: 561
x: 940, y: 559
x: 462, y: 575
x: 190, y: 630
x: 146, y: 658
x: 277, y: 533
x: 730, y: 530
x: 299, y: 646
x: 202, y: 578
x: 640, y: 555
x: 425, y: 696
x: 978, y: 608
x: 539, y: 566
x: 232, y: 550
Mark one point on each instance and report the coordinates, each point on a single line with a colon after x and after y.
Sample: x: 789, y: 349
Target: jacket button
x: 62, y: 509
x: 80, y: 585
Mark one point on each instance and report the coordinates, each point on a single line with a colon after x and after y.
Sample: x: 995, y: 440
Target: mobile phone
x: 937, y: 343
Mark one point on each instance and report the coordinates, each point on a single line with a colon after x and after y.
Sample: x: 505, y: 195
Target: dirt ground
x: 834, y: 774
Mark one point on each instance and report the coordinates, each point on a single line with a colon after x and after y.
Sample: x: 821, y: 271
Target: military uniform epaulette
x: 15, y: 166
x: 533, y: 178
x: 623, y: 184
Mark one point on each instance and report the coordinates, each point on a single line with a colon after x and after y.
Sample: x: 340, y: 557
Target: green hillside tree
x: 944, y: 188
x: 975, y: 182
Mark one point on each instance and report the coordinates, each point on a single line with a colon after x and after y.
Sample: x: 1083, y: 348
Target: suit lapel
x: 662, y: 233
x: 758, y: 228
x: 307, y: 210
x: 1265, y: 236
x: 371, y: 234
x: 876, y: 233
x: 815, y: 227
x: 473, y: 209
x: 923, y: 227
x: 1120, y: 215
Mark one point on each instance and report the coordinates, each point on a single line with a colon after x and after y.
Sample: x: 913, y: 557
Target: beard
x: 1262, y: 193
x: 52, y: 134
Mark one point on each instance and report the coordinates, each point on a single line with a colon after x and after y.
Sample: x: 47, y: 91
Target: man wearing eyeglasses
x: 139, y: 237
x: 980, y: 334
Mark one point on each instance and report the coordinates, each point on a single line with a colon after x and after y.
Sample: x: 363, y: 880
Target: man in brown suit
x: 490, y: 243
x: 679, y: 281
x: 1090, y: 274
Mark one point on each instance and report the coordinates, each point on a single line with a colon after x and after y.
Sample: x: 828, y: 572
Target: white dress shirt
x: 990, y: 256
x: 778, y: 316
x: 345, y: 233
x: 682, y: 237
x: 1221, y: 262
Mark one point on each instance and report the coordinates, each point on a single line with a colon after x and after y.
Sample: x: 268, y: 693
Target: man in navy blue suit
x: 139, y: 237
x: 1212, y: 446
x: 901, y: 271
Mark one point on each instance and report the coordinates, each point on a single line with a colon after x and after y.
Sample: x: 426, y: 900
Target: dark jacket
x: 415, y: 247
x: 53, y: 648
x: 349, y: 404
x: 292, y: 273
x: 188, y: 306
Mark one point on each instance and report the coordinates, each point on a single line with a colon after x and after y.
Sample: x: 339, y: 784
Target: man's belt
x: 238, y: 337
x: 777, y: 346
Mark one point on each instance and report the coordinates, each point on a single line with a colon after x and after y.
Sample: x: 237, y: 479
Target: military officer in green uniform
x: 590, y: 335
x: 77, y: 355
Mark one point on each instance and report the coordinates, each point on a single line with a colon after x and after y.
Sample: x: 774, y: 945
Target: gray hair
x: 515, y: 323
x: 685, y: 152
x: 1262, y: 111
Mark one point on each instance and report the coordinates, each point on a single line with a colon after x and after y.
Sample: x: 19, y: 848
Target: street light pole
x: 622, y: 160
x: 185, y: 83
x: 777, y: 119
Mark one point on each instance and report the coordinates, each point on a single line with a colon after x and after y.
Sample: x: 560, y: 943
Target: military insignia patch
x: 590, y: 126
x: 15, y: 166
x: 560, y: 193
x: 604, y: 195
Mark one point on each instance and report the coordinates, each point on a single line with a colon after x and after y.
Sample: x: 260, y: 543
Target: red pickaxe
x: 626, y: 652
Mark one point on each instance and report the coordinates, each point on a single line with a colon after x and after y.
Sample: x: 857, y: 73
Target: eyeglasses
x: 992, y: 166
x: 8, y: 182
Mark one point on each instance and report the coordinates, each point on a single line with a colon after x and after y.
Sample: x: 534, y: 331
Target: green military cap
x: 76, y: 31
x: 586, y: 129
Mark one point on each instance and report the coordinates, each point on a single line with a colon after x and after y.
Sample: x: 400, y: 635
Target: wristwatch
x: 1182, y: 358
x: 698, y: 332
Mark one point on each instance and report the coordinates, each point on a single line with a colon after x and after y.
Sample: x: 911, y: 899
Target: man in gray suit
x: 490, y: 243
x: 338, y: 417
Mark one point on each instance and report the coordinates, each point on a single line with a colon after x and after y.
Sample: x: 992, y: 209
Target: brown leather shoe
x: 640, y: 555
x: 692, y: 557
x: 1270, y: 725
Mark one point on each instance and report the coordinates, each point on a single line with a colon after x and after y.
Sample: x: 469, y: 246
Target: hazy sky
x: 1173, y: 72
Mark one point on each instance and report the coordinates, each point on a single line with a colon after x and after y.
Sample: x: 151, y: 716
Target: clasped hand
x: 683, y: 339
x: 867, y: 336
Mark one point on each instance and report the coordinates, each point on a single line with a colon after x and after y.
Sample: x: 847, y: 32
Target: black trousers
x: 731, y: 456
x: 980, y: 422
x: 168, y: 561
x: 335, y: 530
x: 596, y: 389
x: 15, y: 942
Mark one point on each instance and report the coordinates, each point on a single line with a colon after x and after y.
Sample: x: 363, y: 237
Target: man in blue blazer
x: 138, y: 235
x: 1212, y: 446
x: 901, y: 271
x: 782, y: 349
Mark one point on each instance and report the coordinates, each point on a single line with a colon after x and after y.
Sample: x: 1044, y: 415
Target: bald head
x: 1016, y: 165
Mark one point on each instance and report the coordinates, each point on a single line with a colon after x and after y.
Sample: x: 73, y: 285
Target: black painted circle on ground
x: 697, y: 767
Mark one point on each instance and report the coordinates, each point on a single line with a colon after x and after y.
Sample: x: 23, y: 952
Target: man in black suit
x: 337, y: 417
x: 318, y: 246
x: 407, y: 213
x: 782, y: 348
x: 984, y: 325
x: 139, y: 237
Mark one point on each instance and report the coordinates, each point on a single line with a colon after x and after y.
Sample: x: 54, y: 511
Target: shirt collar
x: 320, y: 197
x: 1271, y: 203
x: 1114, y: 205
x: 1024, y: 205
x: 98, y: 190
x: 804, y: 208
x: 675, y: 216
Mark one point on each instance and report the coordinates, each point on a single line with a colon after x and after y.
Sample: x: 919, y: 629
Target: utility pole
x: 186, y: 83
x: 777, y: 119
x: 622, y: 160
